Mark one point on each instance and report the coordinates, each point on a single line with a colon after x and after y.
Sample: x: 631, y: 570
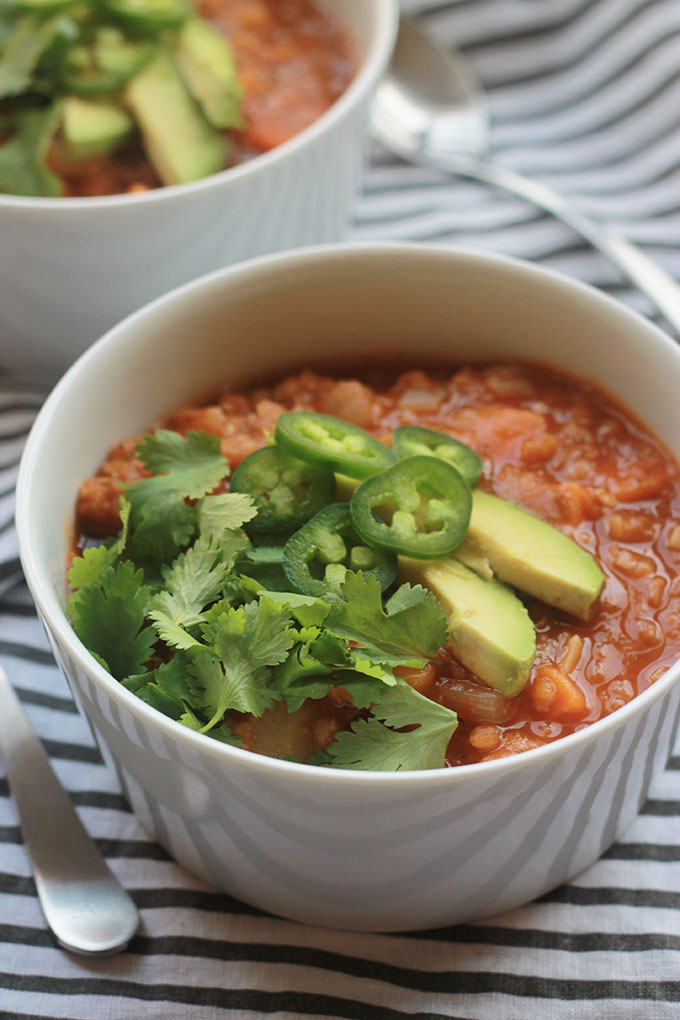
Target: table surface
x: 585, y: 95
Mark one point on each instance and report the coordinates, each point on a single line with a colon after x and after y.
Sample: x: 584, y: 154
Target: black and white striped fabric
x: 585, y: 95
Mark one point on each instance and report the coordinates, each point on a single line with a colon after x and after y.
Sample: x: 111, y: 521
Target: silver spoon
x: 430, y: 109
x: 83, y: 902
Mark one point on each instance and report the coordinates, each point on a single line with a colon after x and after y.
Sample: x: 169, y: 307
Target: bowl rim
x: 370, y: 69
x: 43, y: 591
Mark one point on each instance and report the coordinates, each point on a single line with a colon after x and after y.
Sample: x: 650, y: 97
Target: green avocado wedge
x: 207, y: 65
x: 181, y: 145
x: 490, y: 631
x: 94, y: 128
x: 531, y: 555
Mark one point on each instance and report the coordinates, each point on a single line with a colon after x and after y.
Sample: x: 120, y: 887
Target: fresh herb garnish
x: 162, y: 522
x: 409, y: 630
x: 388, y: 740
x: 23, y: 170
x: 205, y: 638
x: 86, y: 69
x: 109, y: 619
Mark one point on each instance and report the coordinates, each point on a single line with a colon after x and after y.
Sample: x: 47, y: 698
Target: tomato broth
x: 555, y: 446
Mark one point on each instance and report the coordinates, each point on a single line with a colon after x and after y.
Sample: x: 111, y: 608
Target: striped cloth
x: 585, y: 94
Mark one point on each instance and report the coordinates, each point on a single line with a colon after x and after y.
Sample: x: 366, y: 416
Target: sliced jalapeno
x: 420, y: 507
x: 81, y: 78
x: 317, y: 557
x: 42, y: 6
x: 286, y: 491
x: 150, y: 15
x: 339, y: 445
x: 99, y: 67
x: 414, y: 441
x: 117, y: 54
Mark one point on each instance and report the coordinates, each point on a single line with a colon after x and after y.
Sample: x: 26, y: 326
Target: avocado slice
x: 180, y: 143
x: 207, y: 65
x: 491, y: 632
x: 531, y: 555
x: 93, y: 128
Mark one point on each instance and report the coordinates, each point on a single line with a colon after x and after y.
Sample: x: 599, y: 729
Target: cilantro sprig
x: 173, y: 608
x: 162, y: 522
x: 109, y: 619
x: 23, y: 166
x: 389, y: 741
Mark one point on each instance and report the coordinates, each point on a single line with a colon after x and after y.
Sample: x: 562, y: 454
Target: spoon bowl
x: 429, y: 102
x: 430, y: 109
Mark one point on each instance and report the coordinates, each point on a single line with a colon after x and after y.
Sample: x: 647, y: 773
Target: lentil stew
x: 553, y: 445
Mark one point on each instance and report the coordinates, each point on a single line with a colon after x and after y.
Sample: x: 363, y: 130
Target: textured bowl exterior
x: 71, y: 268
x: 382, y: 857
x: 375, y: 851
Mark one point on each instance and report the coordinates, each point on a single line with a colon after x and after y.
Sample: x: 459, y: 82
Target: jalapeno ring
x: 98, y: 68
x: 317, y: 557
x: 152, y: 15
x: 337, y: 444
x: 420, y: 507
x: 286, y: 490
x: 415, y: 441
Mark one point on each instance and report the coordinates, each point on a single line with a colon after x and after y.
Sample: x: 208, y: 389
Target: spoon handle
x: 83, y: 902
x: 661, y: 289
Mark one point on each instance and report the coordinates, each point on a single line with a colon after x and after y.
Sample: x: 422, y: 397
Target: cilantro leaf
x: 194, y: 456
x: 165, y: 688
x: 412, y: 628
x: 246, y: 642
x: 173, y: 633
x: 224, y: 735
x: 266, y: 554
x: 264, y: 564
x: 307, y: 610
x: 320, y: 758
x: 189, y: 720
x: 194, y: 580
x: 365, y: 691
x: 162, y: 523
x: 24, y: 45
x: 320, y: 661
x: 233, y: 546
x: 237, y: 591
x: 161, y: 520
x: 304, y: 688
x: 225, y: 512
x: 268, y: 576
x: 216, y: 688
x: 109, y: 620
x: 90, y: 567
x: 303, y: 675
x: 380, y: 742
x: 263, y: 628
x: 367, y: 667
x: 23, y: 170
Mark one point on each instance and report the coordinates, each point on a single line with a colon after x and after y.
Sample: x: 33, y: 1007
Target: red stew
x: 557, y: 447
x: 293, y: 61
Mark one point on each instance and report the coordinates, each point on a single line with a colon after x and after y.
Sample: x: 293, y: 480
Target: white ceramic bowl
x: 70, y: 268
x: 349, y: 849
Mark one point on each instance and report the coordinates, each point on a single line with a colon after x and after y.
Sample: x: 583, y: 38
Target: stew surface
x: 555, y: 446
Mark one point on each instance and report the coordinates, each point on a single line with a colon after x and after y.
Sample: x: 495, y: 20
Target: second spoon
x: 429, y: 109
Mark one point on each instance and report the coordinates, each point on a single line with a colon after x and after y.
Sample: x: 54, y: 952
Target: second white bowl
x: 70, y: 268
